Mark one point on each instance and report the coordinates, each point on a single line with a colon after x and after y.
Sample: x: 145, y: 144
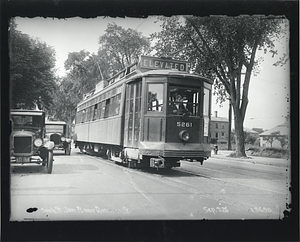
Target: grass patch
x: 252, y: 150
x: 270, y: 152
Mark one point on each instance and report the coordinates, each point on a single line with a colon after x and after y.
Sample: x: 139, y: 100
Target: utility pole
x: 229, y: 124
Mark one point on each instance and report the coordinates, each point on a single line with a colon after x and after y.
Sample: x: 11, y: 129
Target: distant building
x: 258, y: 130
x: 219, y: 128
x: 252, y: 132
x: 276, y: 137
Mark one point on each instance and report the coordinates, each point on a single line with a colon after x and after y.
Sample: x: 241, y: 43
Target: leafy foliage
x: 118, y: 48
x: 31, y: 71
x: 223, y: 49
x: 64, y: 102
x: 82, y: 71
x: 249, y: 138
x: 122, y: 47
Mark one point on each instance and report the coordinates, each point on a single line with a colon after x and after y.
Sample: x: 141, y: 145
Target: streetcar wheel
x: 49, y: 162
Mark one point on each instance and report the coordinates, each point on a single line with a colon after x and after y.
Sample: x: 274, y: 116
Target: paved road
x: 83, y: 187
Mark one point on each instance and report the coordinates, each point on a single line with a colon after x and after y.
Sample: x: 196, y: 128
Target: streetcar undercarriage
x: 135, y: 158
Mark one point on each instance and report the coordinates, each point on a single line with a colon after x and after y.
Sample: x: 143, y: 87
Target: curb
x: 254, y: 160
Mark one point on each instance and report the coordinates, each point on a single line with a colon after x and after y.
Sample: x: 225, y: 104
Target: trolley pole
x: 96, y: 62
x: 229, y: 125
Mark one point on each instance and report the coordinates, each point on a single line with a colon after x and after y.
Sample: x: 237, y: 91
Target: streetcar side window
x: 102, y: 109
x: 206, y: 102
x: 155, y: 97
x: 80, y: 116
x: 107, y: 106
x: 83, y: 116
x: 206, y: 111
x: 117, y: 104
x: 95, y: 111
x: 89, y: 113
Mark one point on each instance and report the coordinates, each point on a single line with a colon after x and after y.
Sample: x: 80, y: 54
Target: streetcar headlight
x: 63, y: 139
x: 184, y: 135
x: 38, y: 142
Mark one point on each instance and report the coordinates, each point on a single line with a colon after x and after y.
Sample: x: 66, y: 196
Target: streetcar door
x: 132, y: 114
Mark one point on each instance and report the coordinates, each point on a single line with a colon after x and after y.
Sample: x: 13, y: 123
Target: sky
x: 268, y: 93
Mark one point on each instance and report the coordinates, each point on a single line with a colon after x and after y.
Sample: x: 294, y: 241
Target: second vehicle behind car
x: 59, y: 133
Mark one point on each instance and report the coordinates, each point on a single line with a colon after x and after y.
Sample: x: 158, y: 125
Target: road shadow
x: 60, y: 153
x: 27, y: 169
x: 74, y: 168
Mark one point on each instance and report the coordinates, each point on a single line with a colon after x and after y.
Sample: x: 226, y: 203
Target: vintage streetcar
x: 28, y: 143
x: 59, y: 133
x: 153, y: 113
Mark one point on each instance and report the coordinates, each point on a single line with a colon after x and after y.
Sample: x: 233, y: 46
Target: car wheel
x: 49, y: 163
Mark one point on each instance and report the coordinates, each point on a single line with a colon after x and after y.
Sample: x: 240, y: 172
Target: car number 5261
x: 185, y: 124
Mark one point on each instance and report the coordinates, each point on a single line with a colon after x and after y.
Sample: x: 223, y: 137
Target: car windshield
x: 26, y: 121
x: 54, y: 128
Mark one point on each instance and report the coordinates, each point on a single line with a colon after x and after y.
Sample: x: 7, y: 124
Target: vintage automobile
x: 59, y: 133
x: 28, y: 143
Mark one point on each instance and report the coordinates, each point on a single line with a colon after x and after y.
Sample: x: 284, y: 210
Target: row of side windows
x: 217, y: 135
x: 107, y: 108
x: 217, y: 126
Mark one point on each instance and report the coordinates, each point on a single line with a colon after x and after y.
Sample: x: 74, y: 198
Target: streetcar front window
x: 155, y: 97
x: 183, y: 100
x: 206, y: 103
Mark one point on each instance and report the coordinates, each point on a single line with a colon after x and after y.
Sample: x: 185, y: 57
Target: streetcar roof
x: 139, y: 74
x: 169, y: 73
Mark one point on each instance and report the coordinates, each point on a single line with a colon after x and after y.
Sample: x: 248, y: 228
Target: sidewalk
x: 224, y: 154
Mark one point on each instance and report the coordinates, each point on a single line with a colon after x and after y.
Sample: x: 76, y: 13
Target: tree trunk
x: 239, y: 131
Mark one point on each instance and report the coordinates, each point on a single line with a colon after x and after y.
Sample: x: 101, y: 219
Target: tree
x: 118, y: 48
x: 121, y: 47
x: 223, y: 49
x: 82, y: 76
x: 249, y: 138
x: 31, y: 71
x: 82, y: 72
x: 64, y: 101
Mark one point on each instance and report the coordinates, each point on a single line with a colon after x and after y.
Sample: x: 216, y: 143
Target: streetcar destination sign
x: 150, y: 62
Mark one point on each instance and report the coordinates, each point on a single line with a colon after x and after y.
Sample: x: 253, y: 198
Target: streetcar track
x: 182, y: 170
x: 249, y: 169
x: 226, y: 181
x: 195, y: 190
